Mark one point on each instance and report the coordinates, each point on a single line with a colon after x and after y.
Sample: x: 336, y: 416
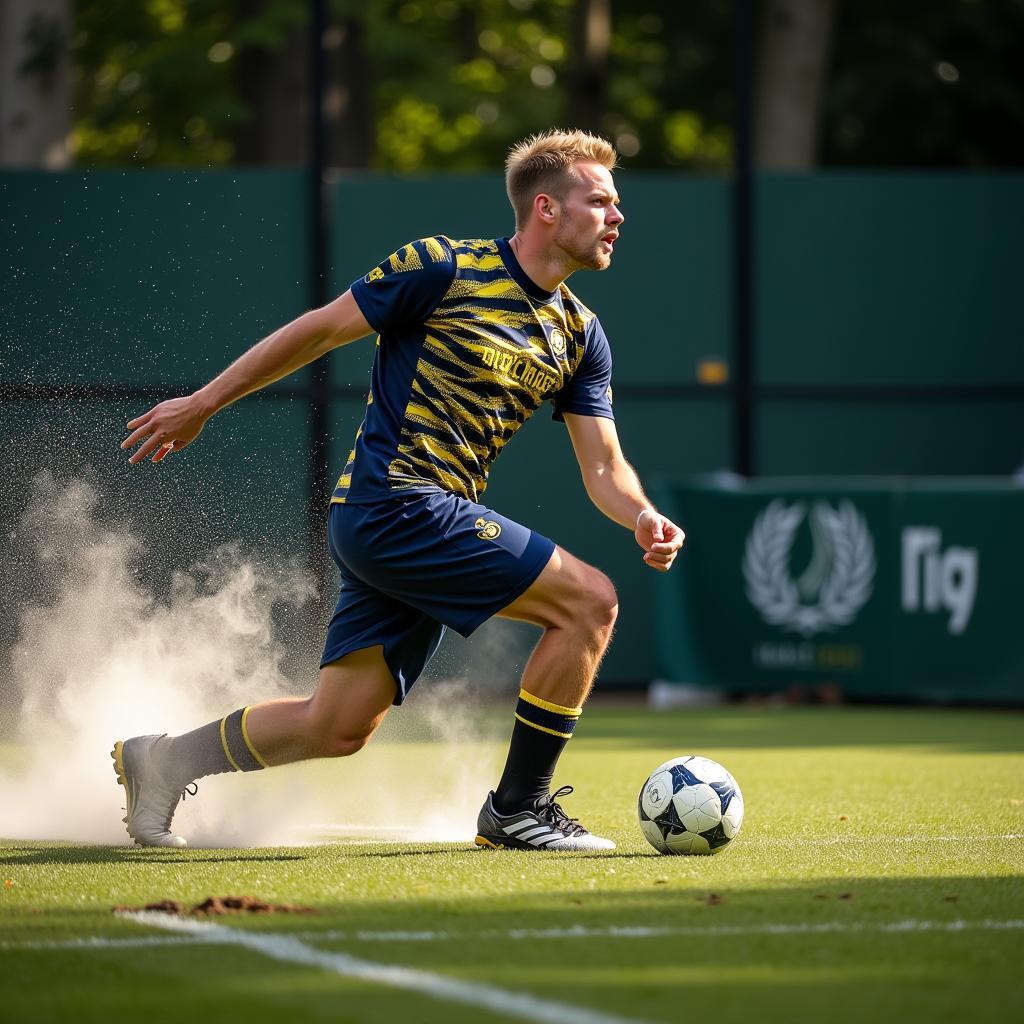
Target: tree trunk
x: 274, y: 84
x: 349, y: 105
x: 588, y: 83
x: 35, y: 83
x: 792, y: 59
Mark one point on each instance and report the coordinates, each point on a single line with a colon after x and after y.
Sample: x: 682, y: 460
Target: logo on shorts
x: 489, y: 530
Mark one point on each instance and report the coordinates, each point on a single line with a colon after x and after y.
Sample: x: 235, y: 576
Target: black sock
x: 540, y: 734
x: 221, y: 746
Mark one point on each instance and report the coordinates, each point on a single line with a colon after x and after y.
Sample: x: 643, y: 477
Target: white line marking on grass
x: 292, y: 950
x: 228, y: 936
x: 100, y: 943
x: 879, y: 840
x: 654, y: 931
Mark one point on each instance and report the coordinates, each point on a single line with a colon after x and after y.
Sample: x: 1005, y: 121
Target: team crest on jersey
x: 488, y: 529
x: 374, y: 275
x: 557, y: 341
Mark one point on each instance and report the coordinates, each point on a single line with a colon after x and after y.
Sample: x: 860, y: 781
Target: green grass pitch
x: 878, y: 873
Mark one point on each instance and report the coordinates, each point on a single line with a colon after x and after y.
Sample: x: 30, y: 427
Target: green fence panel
x: 146, y: 277
x: 909, y: 437
x: 884, y: 589
x: 889, y: 278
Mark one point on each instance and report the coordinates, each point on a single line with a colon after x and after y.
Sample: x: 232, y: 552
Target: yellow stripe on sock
x: 224, y: 744
x: 548, y: 706
x: 248, y: 742
x: 543, y: 728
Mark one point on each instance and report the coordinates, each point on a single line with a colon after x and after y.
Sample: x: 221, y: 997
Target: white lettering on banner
x: 934, y: 580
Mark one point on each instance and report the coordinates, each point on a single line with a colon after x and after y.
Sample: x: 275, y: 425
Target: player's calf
x: 592, y: 622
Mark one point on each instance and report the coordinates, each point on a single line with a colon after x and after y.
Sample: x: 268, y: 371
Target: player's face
x: 590, y: 218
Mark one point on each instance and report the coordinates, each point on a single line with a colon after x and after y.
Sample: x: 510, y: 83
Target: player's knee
x: 600, y: 605
x: 330, y: 738
x: 347, y: 745
x: 336, y: 743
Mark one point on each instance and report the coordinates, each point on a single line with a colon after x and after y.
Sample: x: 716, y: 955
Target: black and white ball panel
x: 690, y: 805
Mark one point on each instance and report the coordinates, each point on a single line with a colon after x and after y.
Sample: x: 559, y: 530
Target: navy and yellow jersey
x: 468, y: 348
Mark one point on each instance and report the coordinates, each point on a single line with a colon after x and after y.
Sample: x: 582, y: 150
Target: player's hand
x: 660, y: 538
x: 167, y: 427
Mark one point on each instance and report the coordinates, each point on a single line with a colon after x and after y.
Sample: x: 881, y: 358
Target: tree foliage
x: 445, y: 84
x: 927, y: 83
x: 153, y: 82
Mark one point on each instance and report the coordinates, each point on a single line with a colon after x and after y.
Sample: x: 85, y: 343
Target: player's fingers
x: 667, y: 547
x: 138, y: 421
x: 163, y: 451
x: 136, y: 435
x: 655, y: 559
x: 655, y: 565
x: 150, y: 446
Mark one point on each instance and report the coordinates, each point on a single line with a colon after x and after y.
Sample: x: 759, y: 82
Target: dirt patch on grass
x: 214, y: 906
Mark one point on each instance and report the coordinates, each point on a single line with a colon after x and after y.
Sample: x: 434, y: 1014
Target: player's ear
x: 545, y: 207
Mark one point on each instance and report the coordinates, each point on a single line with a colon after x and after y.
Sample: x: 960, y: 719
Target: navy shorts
x: 412, y: 565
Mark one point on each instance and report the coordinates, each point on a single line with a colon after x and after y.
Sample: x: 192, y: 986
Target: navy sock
x: 539, y: 736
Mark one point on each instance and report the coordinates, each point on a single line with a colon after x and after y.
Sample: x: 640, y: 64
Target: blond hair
x: 543, y: 163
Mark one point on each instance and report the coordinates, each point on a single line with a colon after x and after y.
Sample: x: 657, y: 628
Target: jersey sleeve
x: 589, y: 392
x: 407, y: 286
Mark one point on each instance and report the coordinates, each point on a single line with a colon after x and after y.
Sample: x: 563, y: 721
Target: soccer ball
x: 690, y: 805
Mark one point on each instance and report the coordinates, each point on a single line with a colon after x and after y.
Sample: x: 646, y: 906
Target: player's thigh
x: 353, y: 694
x: 567, y: 592
x: 368, y: 617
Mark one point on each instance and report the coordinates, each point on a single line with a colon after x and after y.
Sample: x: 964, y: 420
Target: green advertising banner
x: 871, y: 588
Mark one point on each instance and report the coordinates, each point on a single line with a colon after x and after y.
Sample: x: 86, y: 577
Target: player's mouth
x: 608, y: 241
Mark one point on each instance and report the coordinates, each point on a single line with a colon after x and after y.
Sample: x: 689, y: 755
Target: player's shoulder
x: 432, y: 255
x: 475, y: 254
x: 433, y: 250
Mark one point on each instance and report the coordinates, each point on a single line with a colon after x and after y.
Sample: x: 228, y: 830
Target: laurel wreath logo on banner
x: 837, y: 582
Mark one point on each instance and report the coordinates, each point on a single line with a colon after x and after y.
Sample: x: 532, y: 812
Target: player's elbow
x: 594, y: 475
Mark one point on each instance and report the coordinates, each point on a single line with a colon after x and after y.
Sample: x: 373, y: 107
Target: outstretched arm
x: 173, y: 424
x: 614, y: 487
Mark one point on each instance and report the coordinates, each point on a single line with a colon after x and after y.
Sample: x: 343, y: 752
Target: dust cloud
x: 100, y: 656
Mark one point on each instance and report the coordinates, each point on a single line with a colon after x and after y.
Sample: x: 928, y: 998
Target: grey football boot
x: 547, y: 827
x: 151, y: 798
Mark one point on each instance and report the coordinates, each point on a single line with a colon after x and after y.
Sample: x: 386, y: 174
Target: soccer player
x: 472, y: 337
